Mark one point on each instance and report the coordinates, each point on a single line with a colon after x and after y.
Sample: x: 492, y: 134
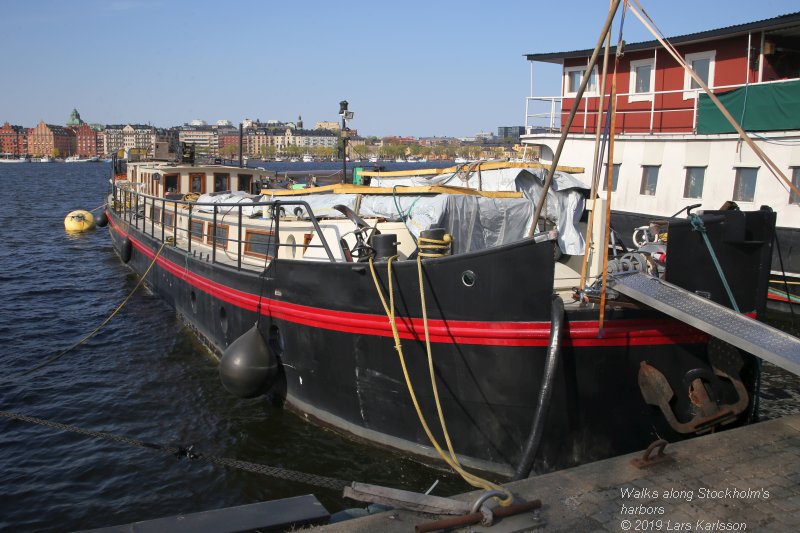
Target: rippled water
x: 144, y: 376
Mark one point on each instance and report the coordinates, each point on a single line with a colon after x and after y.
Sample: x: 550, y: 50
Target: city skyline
x: 420, y: 69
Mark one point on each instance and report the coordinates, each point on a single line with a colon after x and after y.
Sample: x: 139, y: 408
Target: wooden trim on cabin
x: 227, y: 178
x: 248, y: 244
x: 220, y: 241
x: 199, y: 237
x: 202, y: 183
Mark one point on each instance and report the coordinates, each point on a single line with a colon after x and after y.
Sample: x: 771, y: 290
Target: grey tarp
x: 565, y: 200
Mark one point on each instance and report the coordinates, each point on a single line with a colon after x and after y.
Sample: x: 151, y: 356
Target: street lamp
x: 346, y: 115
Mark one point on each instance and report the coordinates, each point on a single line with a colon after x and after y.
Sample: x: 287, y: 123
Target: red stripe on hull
x: 577, y: 334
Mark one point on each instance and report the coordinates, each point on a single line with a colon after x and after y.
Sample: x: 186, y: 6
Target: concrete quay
x: 746, y: 479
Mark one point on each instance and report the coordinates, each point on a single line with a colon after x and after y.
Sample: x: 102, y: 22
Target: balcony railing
x: 544, y: 114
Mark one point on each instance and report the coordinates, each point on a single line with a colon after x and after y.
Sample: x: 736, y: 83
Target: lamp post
x: 346, y: 115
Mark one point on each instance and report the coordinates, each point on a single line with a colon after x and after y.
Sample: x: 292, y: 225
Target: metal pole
x: 587, y: 75
x: 241, y: 137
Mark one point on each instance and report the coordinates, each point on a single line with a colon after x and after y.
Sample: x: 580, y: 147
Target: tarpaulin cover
x: 565, y: 199
x: 767, y: 107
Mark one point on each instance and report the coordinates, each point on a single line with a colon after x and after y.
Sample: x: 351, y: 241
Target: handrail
x: 130, y: 208
x: 556, y: 104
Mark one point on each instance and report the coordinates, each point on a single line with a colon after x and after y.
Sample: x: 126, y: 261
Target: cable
x: 98, y: 328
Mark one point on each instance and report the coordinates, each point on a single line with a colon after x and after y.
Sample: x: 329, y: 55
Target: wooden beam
x: 492, y: 165
x: 346, y: 188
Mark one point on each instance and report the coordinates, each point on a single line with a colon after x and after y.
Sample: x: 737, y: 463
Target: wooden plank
x: 276, y: 515
x: 345, y: 188
x: 494, y: 165
x: 404, y: 499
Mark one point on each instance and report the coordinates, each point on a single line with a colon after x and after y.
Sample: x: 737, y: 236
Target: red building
x: 655, y: 95
x: 86, y: 144
x: 13, y: 140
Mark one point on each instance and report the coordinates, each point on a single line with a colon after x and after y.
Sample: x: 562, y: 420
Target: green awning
x: 767, y: 107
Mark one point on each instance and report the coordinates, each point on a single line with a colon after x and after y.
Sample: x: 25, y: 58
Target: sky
x: 410, y: 67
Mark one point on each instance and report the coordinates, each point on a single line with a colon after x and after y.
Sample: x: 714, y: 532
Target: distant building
x: 13, y: 140
x: 86, y: 140
x: 51, y: 140
x: 511, y: 133
x: 113, y: 139
x: 203, y: 137
x: 74, y: 119
x: 327, y: 125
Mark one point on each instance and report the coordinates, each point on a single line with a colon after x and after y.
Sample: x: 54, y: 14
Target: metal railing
x: 132, y: 207
x: 543, y: 113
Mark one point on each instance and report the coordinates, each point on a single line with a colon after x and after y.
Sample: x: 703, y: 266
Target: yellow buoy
x: 79, y: 220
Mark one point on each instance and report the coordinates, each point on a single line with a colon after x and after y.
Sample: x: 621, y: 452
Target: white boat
x: 45, y: 159
x: 373, y: 159
x: 17, y: 160
x: 308, y: 159
x: 673, y: 149
x: 294, y: 160
x: 460, y: 160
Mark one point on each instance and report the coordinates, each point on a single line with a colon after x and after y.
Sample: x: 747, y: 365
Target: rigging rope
x: 189, y: 452
x: 697, y: 225
x: 102, y: 324
x: 451, y: 459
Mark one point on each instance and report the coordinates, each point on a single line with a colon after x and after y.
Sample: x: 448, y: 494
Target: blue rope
x: 697, y: 225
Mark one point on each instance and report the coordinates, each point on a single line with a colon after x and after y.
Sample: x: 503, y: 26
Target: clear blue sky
x: 407, y: 67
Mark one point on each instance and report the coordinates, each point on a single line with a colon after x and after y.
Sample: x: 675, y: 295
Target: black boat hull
x: 489, y: 343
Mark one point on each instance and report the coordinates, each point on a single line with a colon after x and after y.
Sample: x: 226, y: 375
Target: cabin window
x: 744, y: 188
x: 245, y: 182
x: 703, y: 64
x: 171, y: 183
x: 197, y: 183
x: 642, y: 80
x: 649, y: 180
x: 169, y: 218
x: 197, y: 230
x: 693, y: 186
x: 222, y: 182
x: 794, y: 198
x: 220, y: 238
x: 572, y: 81
x: 260, y: 244
x: 614, y: 178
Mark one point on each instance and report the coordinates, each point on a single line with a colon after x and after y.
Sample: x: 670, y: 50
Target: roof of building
x: 789, y: 22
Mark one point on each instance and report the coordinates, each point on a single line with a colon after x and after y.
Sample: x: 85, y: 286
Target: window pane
x: 744, y: 189
x: 574, y: 78
x: 614, y: 179
x: 794, y: 198
x: 643, y: 78
x: 260, y: 243
x: 197, y: 184
x: 220, y: 182
x: 197, y: 230
x: 693, y: 187
x: 221, y: 236
x: 649, y: 180
x: 700, y: 66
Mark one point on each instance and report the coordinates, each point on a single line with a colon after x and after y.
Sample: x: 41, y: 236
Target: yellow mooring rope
x: 452, y: 459
x: 106, y: 321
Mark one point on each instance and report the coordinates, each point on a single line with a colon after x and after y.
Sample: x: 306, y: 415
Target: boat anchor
x: 726, y: 364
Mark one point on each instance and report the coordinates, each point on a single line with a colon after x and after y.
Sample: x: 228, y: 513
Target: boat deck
x: 743, y: 479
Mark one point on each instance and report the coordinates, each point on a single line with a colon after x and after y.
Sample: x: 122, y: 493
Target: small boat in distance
x: 78, y: 159
x: 45, y: 159
x: 460, y: 161
x: 16, y: 160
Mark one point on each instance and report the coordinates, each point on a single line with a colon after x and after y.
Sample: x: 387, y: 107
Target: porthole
x: 193, y: 298
x: 468, y: 278
x: 223, y: 319
x: 291, y: 244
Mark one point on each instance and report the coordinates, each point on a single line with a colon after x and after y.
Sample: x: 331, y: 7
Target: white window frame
x: 689, y: 93
x: 633, y: 96
x: 587, y: 92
